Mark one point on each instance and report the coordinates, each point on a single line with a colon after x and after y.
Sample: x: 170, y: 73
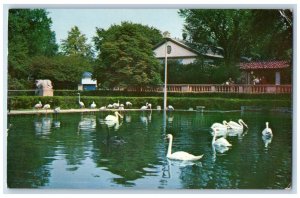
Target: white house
x: 87, y: 83
x: 183, y: 53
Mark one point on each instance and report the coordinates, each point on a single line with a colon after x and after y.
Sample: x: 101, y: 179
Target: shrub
x: 210, y: 103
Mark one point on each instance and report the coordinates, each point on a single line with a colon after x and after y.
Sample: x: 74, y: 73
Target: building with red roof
x: 266, y: 72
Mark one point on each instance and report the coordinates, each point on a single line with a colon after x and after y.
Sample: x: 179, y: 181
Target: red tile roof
x: 264, y: 65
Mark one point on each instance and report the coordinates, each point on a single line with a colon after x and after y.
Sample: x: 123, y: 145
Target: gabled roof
x: 264, y: 65
x: 181, y: 43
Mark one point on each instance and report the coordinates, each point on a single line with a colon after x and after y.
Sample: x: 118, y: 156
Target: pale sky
x: 88, y: 19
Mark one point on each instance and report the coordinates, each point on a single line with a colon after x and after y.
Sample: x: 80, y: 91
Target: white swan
x: 219, y: 142
x: 221, y: 129
x: 179, y: 155
x: 237, y: 126
x: 267, y: 131
x: 113, y: 118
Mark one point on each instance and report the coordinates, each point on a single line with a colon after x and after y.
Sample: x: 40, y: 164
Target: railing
x: 191, y: 88
x: 215, y: 88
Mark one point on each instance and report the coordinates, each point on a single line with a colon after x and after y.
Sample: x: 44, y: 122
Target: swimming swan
x: 219, y: 142
x: 221, y: 129
x: 179, y: 155
x: 267, y: 131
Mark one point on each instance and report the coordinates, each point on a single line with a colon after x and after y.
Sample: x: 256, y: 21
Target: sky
x: 88, y: 19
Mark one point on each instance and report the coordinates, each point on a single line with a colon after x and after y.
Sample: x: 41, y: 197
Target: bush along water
x: 210, y: 103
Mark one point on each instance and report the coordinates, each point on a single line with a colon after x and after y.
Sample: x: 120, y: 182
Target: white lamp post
x: 168, y: 50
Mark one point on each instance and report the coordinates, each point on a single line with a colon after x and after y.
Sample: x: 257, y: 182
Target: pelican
x: 116, y: 105
x: 144, y: 107
x: 46, y: 106
x: 102, y: 108
x: 56, y: 110
x: 110, y: 106
x: 221, y: 129
x: 219, y: 142
x: 267, y: 132
x: 114, y: 118
x: 93, y: 105
x: 179, y: 155
x: 81, y: 104
x: 237, y: 126
x: 128, y: 103
x: 149, y: 106
x: 38, y: 105
x: 170, y: 108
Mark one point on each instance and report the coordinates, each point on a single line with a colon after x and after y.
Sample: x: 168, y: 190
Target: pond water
x: 81, y: 151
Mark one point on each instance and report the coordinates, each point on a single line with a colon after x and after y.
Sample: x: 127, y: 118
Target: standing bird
x: 267, y: 132
x: 93, y: 105
x: 179, y: 155
x: 144, y: 107
x: 149, y: 105
x: 46, y: 106
x: 56, y: 110
x: 81, y: 104
x: 38, y: 105
x: 128, y: 104
x: 170, y: 108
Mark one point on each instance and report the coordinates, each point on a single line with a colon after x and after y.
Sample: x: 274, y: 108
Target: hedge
x: 210, y: 103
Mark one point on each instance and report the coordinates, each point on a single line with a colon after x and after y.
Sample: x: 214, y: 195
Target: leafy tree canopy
x: 76, y: 44
x: 125, y: 56
x: 29, y: 35
x: 63, y: 71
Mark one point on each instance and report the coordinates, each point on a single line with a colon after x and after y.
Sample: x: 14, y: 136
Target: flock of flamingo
x: 218, y: 129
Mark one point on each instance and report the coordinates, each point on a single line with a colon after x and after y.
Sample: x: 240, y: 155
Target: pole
x: 166, y: 70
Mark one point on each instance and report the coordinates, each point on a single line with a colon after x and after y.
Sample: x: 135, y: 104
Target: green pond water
x: 82, y: 151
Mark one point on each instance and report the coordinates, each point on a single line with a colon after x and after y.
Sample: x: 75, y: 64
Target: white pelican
x: 116, y: 105
x: 93, y: 105
x: 102, y: 108
x: 221, y: 129
x: 113, y: 118
x: 38, y: 105
x: 144, y: 107
x: 81, y: 104
x: 237, y: 126
x: 128, y: 103
x: 219, y: 142
x: 46, y: 106
x: 179, y: 155
x: 109, y: 106
x: 170, y: 108
x: 267, y: 132
x: 149, y: 105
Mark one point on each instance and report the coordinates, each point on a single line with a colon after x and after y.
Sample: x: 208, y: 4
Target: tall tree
x: 272, y: 34
x: 64, y: 71
x: 76, y: 44
x: 125, y: 56
x: 29, y: 35
x: 225, y: 28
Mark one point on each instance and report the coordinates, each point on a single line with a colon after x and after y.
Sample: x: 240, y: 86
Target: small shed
x: 87, y: 83
x: 266, y: 72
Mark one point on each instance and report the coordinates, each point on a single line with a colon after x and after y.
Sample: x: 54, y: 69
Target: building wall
x: 88, y: 81
x: 177, y: 51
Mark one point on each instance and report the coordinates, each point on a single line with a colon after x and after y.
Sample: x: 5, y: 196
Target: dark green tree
x: 76, y: 44
x: 29, y: 35
x: 272, y: 34
x: 225, y: 28
x: 125, y: 56
x: 64, y: 71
